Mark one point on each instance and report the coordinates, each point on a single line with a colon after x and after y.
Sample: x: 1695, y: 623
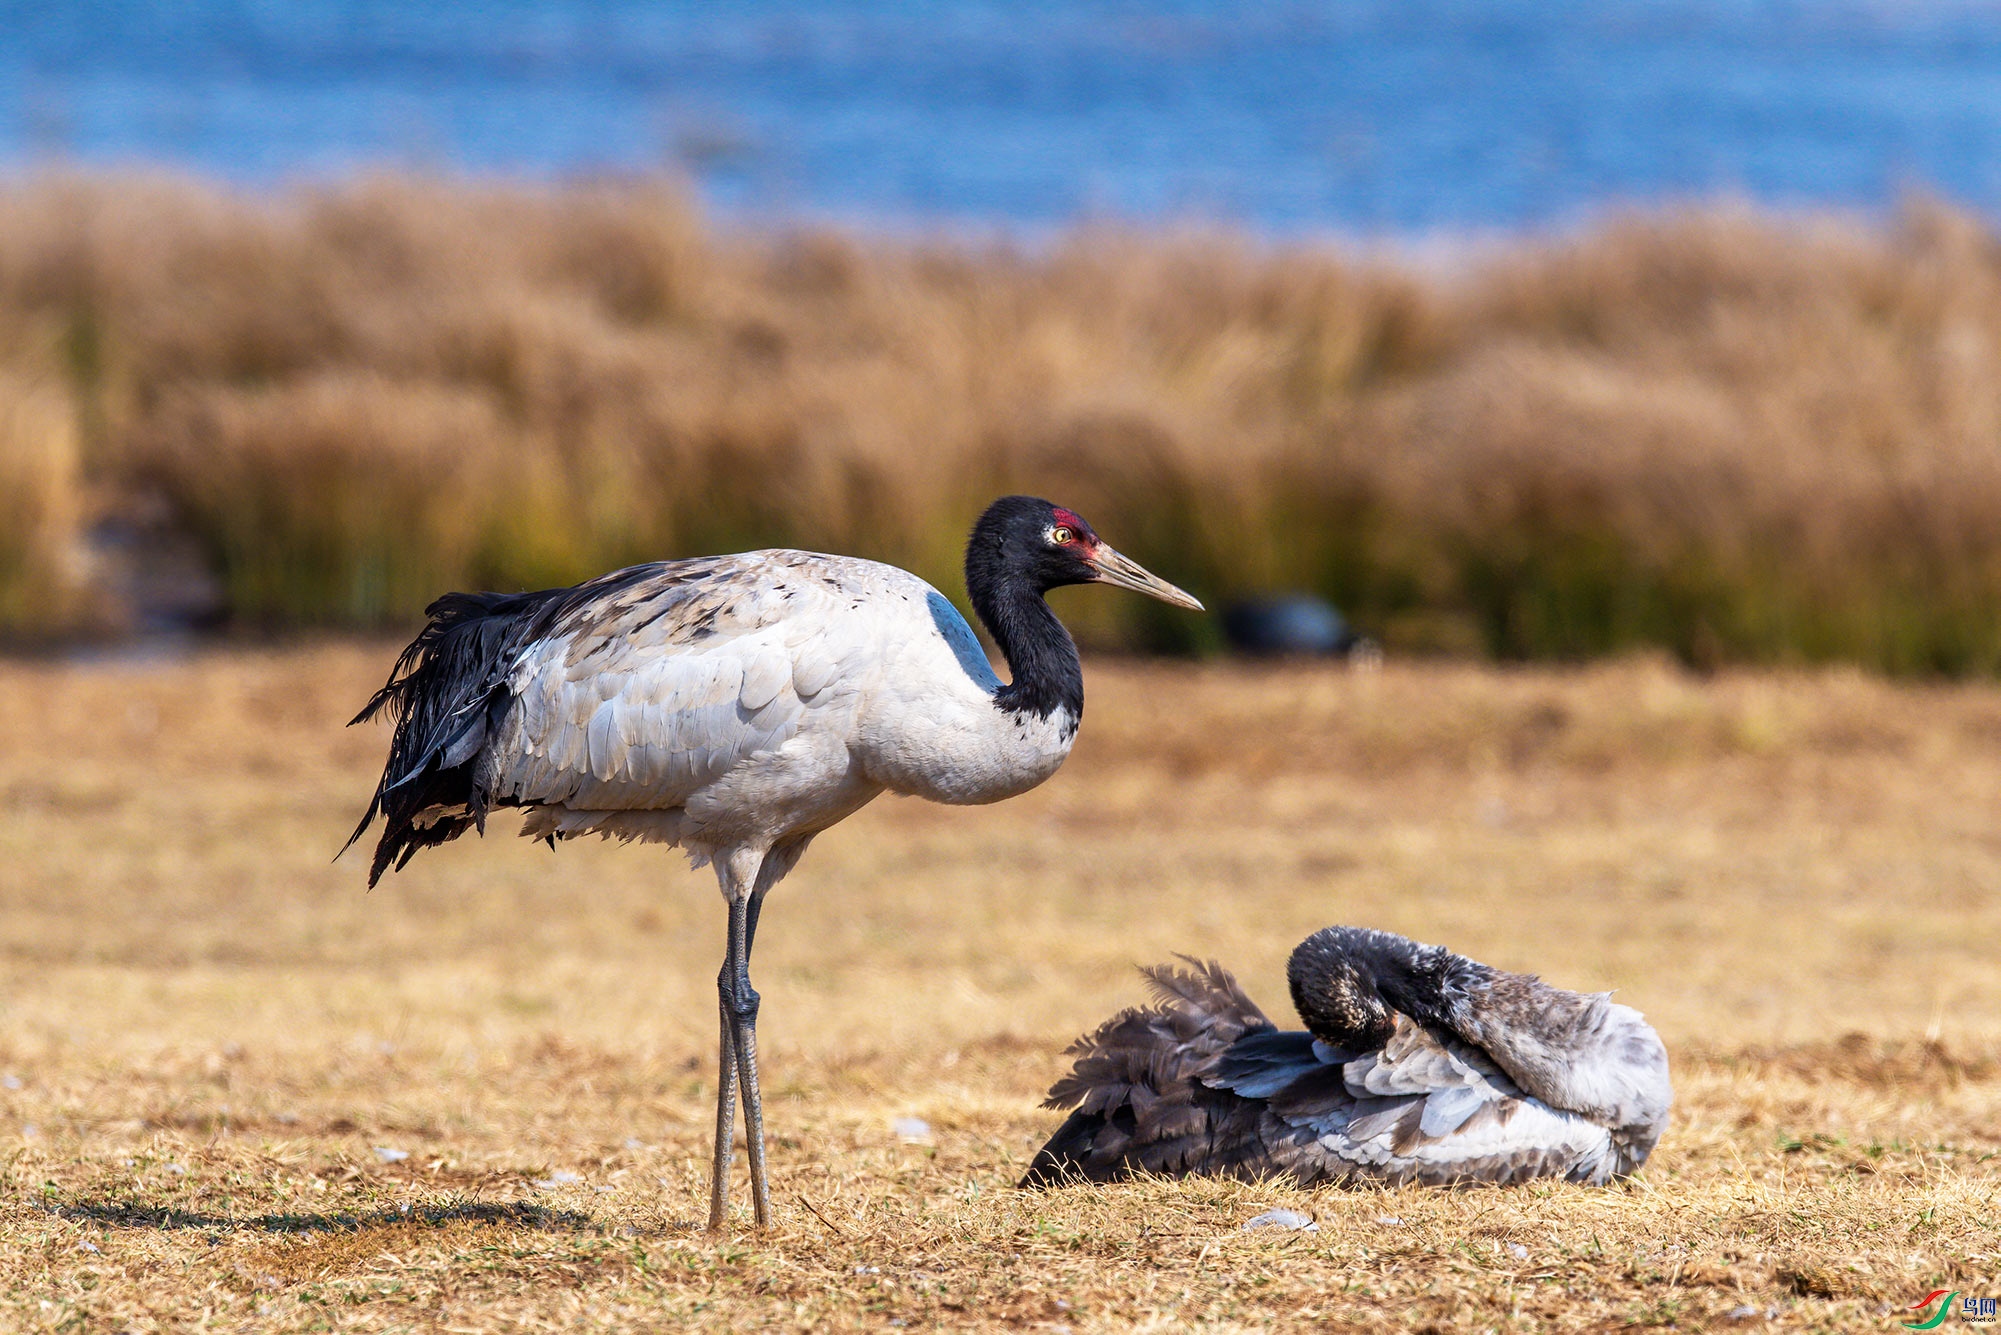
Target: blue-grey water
x: 1386, y: 117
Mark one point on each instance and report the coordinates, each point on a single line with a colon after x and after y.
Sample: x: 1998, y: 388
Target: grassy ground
x: 237, y: 1092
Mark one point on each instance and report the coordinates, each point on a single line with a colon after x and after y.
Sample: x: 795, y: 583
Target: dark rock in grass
x: 1289, y: 625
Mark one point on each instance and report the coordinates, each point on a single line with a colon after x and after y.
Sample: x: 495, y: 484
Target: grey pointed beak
x: 1127, y: 574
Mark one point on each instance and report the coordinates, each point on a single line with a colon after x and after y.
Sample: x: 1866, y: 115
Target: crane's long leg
x: 738, y: 1005
x: 726, y: 1081
x: 738, y: 1067
x: 746, y: 1063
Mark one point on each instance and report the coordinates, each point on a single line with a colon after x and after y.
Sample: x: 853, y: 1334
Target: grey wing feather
x: 627, y: 693
x: 1447, y: 1110
x: 639, y: 701
x: 1576, y: 1051
x: 1260, y: 1065
x: 447, y: 696
x: 1429, y: 1108
x: 1412, y: 1062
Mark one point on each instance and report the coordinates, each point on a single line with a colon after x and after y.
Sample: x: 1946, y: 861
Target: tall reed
x: 43, y: 589
x: 1732, y: 436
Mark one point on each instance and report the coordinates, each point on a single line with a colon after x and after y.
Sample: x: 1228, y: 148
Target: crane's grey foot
x: 753, y: 1102
x: 726, y: 1086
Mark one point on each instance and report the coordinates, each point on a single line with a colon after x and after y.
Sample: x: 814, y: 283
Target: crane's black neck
x: 1041, y: 656
x: 1346, y: 981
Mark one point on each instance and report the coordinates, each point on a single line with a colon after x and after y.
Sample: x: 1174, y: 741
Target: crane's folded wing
x: 641, y: 700
x: 1429, y: 1109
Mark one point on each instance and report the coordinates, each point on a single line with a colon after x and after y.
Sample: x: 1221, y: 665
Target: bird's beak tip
x: 1175, y: 596
x: 1125, y: 573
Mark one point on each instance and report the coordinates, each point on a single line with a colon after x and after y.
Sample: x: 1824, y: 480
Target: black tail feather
x: 446, y: 695
x: 1141, y: 1102
x: 1078, y: 1153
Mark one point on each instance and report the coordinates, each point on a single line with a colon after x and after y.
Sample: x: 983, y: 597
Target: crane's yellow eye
x: 1061, y: 536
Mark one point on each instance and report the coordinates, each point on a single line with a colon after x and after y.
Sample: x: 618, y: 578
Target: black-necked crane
x: 737, y: 706
x: 1417, y: 1065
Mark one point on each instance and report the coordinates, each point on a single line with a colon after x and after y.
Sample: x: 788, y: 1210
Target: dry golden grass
x: 41, y: 508
x: 206, y: 1030
x: 1732, y: 436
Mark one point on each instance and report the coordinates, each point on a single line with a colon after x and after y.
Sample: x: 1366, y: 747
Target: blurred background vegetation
x: 1730, y: 436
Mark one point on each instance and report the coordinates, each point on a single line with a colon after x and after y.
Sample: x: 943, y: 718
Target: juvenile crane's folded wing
x: 1429, y: 1109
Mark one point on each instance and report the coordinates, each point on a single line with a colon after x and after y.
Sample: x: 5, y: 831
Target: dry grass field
x: 239, y: 1093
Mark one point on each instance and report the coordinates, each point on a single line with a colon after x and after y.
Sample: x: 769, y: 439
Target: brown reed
x: 41, y: 498
x: 1732, y: 436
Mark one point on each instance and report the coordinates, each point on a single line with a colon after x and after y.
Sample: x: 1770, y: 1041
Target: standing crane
x: 1417, y: 1065
x: 736, y: 706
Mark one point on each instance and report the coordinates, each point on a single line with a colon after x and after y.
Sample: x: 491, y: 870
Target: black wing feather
x: 1140, y: 1086
x: 447, y: 696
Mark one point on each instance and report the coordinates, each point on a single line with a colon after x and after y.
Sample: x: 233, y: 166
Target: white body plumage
x: 757, y: 698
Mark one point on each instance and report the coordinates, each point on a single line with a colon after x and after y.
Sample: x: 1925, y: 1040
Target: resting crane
x: 736, y: 706
x: 1418, y: 1065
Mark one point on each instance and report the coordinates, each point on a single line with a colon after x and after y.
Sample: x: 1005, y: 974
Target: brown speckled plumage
x: 1418, y: 1065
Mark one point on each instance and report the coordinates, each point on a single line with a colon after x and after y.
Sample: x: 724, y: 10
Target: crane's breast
x: 932, y: 725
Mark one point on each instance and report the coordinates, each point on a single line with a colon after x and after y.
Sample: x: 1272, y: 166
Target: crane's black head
x: 1020, y: 549
x: 1025, y: 542
x: 1347, y: 981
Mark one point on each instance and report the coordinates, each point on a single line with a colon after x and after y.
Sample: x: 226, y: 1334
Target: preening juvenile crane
x: 737, y: 706
x: 1418, y: 1065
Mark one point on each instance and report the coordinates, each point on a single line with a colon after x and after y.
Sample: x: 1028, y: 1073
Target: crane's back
x: 708, y: 702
